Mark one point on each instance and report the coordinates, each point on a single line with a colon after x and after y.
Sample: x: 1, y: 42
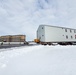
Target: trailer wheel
x: 26, y: 43
x: 43, y: 43
x: 49, y: 43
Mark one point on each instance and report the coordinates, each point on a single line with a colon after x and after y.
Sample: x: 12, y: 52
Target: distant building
x: 12, y: 38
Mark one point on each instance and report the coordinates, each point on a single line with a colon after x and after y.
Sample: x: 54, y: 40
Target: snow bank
x: 38, y: 60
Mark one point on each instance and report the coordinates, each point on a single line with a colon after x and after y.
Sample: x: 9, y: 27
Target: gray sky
x: 24, y: 16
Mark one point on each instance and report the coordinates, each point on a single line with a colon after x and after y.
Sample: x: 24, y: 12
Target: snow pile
x: 38, y: 60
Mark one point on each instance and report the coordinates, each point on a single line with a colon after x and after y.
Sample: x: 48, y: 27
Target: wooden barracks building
x: 12, y: 38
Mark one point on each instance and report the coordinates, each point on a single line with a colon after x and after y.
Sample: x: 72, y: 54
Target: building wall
x: 57, y: 34
x: 41, y: 33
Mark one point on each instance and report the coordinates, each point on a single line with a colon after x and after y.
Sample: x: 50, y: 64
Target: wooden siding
x: 12, y: 38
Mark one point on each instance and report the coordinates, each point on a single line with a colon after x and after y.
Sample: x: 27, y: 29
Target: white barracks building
x: 55, y: 34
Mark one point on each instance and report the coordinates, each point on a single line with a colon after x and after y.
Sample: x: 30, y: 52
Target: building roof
x: 58, y: 27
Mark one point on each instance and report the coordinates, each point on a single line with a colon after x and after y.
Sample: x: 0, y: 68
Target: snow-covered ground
x: 38, y: 60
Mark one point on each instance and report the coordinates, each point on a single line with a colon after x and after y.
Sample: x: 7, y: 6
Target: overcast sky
x: 24, y: 16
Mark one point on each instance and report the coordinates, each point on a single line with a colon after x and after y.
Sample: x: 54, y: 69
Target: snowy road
x: 39, y: 60
x: 15, y: 45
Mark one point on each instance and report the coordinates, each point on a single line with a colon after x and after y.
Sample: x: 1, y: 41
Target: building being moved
x: 48, y: 34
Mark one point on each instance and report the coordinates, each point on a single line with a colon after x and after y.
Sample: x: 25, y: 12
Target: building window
x: 65, y: 30
x: 75, y: 36
x: 39, y: 37
x: 66, y: 36
x: 70, y: 30
x: 74, y: 31
x: 71, y: 37
x: 42, y: 35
